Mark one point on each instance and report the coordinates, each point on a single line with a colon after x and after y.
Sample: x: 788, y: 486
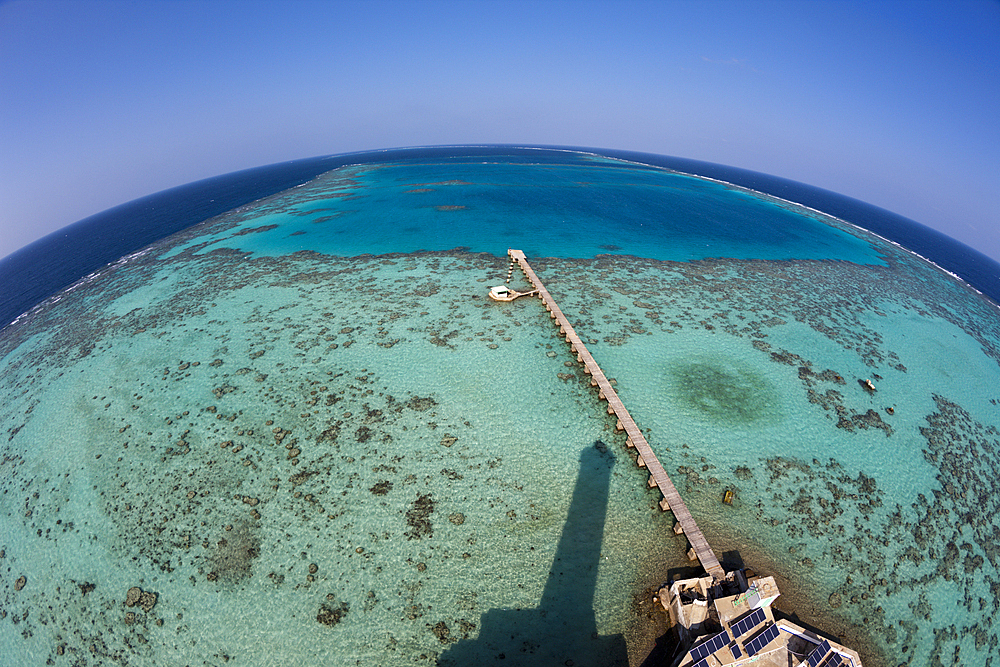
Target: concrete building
x: 730, y: 623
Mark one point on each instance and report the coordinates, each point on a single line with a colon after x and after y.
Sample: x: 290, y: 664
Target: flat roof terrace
x: 751, y: 635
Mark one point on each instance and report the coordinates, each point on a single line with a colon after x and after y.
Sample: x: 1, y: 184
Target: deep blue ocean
x: 36, y: 272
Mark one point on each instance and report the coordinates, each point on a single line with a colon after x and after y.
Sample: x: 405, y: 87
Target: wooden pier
x: 646, y: 458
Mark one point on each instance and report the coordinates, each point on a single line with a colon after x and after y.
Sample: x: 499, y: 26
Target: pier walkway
x: 646, y: 458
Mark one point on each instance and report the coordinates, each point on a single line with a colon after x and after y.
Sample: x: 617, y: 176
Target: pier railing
x: 646, y: 458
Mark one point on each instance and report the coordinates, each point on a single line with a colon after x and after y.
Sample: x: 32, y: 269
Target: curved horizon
x: 886, y: 103
x: 146, y: 218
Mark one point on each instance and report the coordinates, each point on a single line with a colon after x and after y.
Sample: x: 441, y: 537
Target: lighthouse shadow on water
x: 562, y: 630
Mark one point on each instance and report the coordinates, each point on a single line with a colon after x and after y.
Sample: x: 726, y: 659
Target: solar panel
x: 701, y: 663
x: 755, y: 645
x: 833, y: 661
x: 735, y: 650
x: 700, y: 652
x: 711, y: 646
x: 748, y: 623
x: 817, y: 655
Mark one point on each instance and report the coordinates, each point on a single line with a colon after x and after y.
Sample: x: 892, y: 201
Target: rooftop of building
x: 730, y: 624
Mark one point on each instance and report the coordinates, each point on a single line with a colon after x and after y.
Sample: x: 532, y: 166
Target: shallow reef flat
x: 876, y: 506
x: 232, y: 449
x: 346, y: 457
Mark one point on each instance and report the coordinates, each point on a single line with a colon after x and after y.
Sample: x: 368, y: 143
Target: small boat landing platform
x: 504, y: 293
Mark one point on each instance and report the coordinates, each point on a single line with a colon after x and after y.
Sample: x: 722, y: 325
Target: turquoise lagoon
x: 305, y: 429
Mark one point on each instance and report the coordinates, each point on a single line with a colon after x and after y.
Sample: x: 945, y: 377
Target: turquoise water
x: 596, y: 207
x: 318, y: 445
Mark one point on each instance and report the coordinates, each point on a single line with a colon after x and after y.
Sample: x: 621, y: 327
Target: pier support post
x: 640, y: 462
x: 678, y: 528
x: 651, y: 483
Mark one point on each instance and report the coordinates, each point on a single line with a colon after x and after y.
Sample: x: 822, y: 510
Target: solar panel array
x: 735, y: 650
x: 711, y: 646
x: 817, y: 655
x: 701, y: 663
x: 755, y: 645
x: 748, y: 623
x: 833, y: 661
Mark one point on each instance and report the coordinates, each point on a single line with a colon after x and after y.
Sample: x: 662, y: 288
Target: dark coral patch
x: 418, y: 518
x: 331, y: 616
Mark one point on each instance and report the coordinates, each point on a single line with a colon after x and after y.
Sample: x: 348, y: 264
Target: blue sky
x: 894, y: 103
